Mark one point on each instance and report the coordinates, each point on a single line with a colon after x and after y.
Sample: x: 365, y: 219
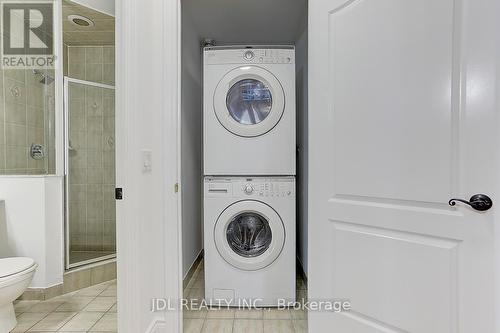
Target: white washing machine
x: 249, y: 230
x: 249, y: 111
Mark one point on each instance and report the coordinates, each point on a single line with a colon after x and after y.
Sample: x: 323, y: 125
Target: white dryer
x: 249, y: 110
x: 249, y: 231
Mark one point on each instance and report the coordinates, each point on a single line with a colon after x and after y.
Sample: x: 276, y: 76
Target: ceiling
x: 104, y: 6
x: 102, y: 33
x: 250, y: 22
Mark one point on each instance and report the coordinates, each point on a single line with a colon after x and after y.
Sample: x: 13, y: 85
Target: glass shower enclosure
x: 90, y: 172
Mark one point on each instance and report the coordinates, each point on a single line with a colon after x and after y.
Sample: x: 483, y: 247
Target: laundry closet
x: 256, y: 30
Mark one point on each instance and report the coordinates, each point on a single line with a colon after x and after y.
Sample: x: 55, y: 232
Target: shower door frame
x: 67, y: 264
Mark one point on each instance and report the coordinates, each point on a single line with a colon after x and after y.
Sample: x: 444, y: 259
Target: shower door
x: 90, y: 172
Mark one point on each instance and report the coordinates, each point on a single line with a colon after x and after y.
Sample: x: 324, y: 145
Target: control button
x: 248, y: 189
x: 289, y: 192
x: 288, y: 59
x: 249, y: 55
x: 261, y: 59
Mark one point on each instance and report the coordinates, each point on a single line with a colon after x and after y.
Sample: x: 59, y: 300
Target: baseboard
x: 192, y: 269
x: 42, y: 294
x: 74, y: 280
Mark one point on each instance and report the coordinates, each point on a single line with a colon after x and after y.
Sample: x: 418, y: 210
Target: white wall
x: 32, y: 224
x: 191, y: 146
x: 302, y: 141
x: 247, y: 22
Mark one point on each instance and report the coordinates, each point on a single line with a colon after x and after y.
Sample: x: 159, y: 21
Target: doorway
x: 89, y: 126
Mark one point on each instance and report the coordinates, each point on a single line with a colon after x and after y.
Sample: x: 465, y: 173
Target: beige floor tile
x: 75, y: 303
x: 300, y: 326
x: 66, y: 297
x: 94, y: 290
x: 249, y: 314
x: 195, y: 294
x: 53, y: 321
x: 23, y: 306
x: 278, y: 326
x: 220, y: 313
x: 196, y: 283
x: 193, y: 325
x: 277, y: 314
x: 195, y: 314
x: 298, y: 314
x: 26, y: 320
x: 199, y: 273
x: 100, y: 304
x: 248, y: 326
x: 218, y: 325
x: 46, y: 306
x: 108, y: 323
x: 110, y: 291
x: 82, y: 322
x: 96, y: 307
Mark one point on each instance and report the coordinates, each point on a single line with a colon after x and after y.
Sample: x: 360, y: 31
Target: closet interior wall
x: 259, y: 22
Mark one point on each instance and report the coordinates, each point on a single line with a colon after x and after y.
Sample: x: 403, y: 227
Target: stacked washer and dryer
x: 249, y: 169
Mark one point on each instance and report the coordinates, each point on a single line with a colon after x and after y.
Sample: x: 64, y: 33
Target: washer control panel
x: 239, y: 187
x: 250, y: 55
x: 266, y: 188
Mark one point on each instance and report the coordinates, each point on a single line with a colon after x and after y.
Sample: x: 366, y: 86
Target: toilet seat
x: 10, y: 267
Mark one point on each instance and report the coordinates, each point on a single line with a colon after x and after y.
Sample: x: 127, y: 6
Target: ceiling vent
x: 81, y: 21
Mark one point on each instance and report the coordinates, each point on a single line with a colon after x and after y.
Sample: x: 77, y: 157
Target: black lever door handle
x: 479, y: 202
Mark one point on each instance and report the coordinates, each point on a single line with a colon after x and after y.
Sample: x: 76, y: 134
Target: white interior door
x: 403, y: 117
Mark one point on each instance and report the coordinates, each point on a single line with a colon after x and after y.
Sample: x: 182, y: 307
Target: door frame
x: 67, y: 265
x: 161, y: 19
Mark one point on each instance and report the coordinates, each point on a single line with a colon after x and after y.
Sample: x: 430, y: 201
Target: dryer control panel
x: 251, y: 55
x: 283, y: 187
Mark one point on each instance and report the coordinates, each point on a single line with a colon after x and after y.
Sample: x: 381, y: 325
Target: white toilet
x: 15, y: 276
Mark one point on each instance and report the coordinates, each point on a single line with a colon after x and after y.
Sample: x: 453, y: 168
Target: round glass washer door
x: 249, y: 101
x: 249, y: 235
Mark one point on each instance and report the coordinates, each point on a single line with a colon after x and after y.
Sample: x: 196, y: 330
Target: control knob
x: 248, y: 189
x: 248, y: 55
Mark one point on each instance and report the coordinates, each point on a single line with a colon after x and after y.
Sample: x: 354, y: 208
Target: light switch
x: 147, y: 160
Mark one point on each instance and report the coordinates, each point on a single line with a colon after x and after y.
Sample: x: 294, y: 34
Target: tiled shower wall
x: 27, y: 114
x: 92, y: 221
x: 91, y: 63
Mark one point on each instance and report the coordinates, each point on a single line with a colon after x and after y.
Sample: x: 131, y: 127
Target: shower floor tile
x: 80, y: 256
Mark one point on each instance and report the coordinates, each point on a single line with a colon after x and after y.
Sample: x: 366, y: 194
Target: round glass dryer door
x: 249, y: 101
x: 249, y: 235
